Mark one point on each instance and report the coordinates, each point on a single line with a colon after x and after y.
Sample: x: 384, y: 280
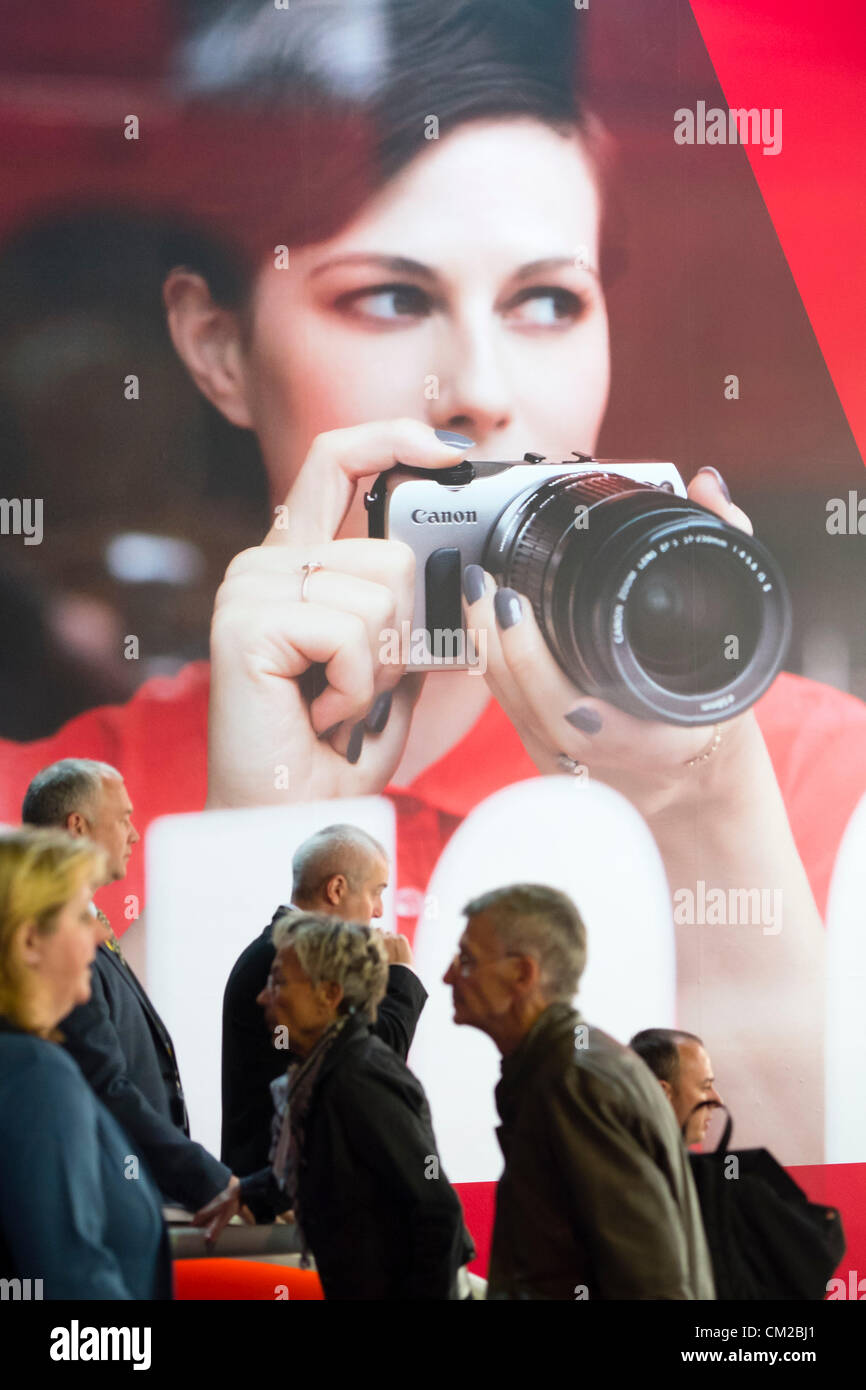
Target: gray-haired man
x: 117, y: 1038
x: 596, y: 1199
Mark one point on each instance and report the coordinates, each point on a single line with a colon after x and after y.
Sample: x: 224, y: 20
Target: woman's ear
x: 28, y: 945
x: 207, y: 339
x: 332, y: 992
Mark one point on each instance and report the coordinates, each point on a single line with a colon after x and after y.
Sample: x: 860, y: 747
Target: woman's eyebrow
x: 550, y: 263
x: 396, y: 265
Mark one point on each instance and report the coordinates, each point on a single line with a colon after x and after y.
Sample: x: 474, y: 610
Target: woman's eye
x: 546, y: 306
x: 387, y: 303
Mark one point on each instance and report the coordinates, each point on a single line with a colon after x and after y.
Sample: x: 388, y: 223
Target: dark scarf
x: 292, y: 1095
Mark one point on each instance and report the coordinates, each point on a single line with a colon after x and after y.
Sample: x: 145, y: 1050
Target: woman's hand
x: 646, y: 760
x: 721, y: 824
x: 220, y: 1210
x: 270, y: 739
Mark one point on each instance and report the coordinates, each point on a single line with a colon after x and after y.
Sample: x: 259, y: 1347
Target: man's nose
x: 449, y: 977
x: 378, y: 910
x: 134, y: 836
x: 475, y: 396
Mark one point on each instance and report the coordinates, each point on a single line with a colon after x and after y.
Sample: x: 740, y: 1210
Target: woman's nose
x: 474, y: 390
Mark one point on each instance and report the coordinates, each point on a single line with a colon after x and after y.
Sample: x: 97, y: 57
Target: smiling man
x: 596, y: 1199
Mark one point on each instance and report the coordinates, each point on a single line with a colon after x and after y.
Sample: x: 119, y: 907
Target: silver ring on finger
x: 308, y: 570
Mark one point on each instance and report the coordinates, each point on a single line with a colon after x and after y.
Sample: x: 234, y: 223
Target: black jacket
x: 597, y: 1199
x: 123, y: 1048
x: 378, y: 1213
x: 250, y: 1062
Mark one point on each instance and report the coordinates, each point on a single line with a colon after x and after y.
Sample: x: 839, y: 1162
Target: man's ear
x: 76, y: 824
x: 668, y: 1090
x: 335, y: 889
x: 207, y: 338
x: 527, y: 972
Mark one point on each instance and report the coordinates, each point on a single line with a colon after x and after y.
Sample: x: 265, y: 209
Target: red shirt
x: 816, y: 739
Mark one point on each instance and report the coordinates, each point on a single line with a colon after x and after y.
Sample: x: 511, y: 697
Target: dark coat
x: 597, y: 1198
x: 250, y: 1062
x: 123, y: 1048
x: 73, y: 1212
x: 380, y: 1217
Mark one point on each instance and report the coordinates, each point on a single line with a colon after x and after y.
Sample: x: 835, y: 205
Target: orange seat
x: 244, y: 1279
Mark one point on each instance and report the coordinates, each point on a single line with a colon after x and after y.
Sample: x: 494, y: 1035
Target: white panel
x: 214, y: 881
x: 590, y: 842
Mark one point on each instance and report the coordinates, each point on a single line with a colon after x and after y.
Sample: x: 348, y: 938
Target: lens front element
x: 645, y: 598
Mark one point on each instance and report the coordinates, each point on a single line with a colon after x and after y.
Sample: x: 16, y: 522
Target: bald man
x: 680, y: 1063
x: 343, y: 871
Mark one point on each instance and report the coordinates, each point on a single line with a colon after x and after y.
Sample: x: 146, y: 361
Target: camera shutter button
x: 456, y: 476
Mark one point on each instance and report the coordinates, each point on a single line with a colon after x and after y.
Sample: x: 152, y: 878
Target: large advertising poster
x: 255, y: 255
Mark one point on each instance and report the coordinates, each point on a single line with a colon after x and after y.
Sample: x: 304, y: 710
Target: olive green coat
x: 597, y: 1199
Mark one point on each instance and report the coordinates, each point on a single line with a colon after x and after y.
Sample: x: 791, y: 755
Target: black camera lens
x: 645, y: 598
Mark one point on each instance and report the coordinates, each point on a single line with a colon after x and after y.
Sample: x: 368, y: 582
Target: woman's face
x: 291, y: 1001
x: 466, y: 294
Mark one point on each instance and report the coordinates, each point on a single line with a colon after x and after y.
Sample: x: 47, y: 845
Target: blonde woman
x: 77, y: 1211
x: 353, y: 1152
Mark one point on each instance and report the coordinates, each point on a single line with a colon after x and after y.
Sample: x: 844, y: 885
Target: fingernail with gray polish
x: 708, y: 468
x: 507, y: 607
x: 456, y: 441
x: 356, y: 743
x: 588, y: 720
x: 473, y: 583
x: 379, y: 711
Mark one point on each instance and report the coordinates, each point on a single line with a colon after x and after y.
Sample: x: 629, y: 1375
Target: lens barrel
x: 645, y: 598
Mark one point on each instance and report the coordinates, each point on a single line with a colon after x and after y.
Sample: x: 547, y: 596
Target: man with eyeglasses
x: 596, y: 1199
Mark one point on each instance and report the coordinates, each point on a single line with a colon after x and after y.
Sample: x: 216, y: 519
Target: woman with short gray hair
x: 353, y: 1153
